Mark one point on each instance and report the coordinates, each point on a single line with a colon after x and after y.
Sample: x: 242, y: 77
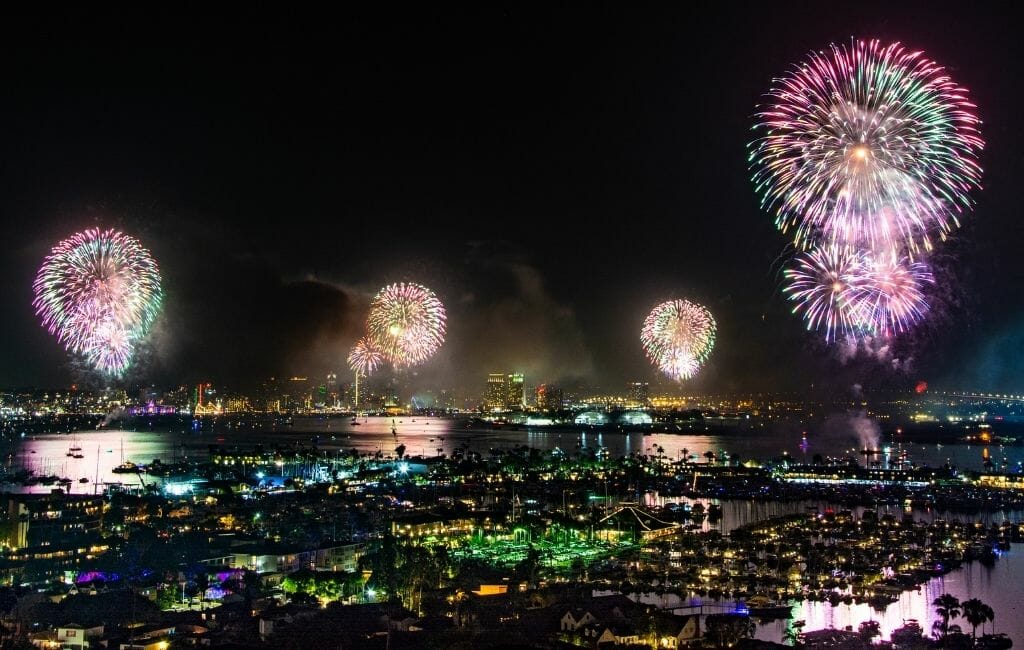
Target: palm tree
x: 710, y: 455
x: 947, y: 606
x: 686, y: 455
x: 977, y: 613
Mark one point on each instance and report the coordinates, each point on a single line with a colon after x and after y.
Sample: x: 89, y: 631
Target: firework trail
x: 678, y: 337
x: 99, y: 293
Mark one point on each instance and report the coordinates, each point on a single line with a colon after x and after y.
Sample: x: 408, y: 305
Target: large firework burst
x: 406, y: 324
x: 99, y: 293
x: 678, y: 337
x: 867, y: 145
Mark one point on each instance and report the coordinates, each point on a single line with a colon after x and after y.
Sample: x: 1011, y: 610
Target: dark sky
x: 552, y: 174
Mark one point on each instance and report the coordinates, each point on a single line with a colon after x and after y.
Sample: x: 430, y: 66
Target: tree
x: 167, y: 597
x: 868, y: 630
x: 947, y: 606
x: 794, y: 634
x: 977, y: 613
x: 725, y: 630
x: 710, y: 455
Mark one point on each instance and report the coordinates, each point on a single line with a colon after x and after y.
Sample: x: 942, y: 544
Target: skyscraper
x: 496, y: 393
x: 549, y: 397
x: 639, y: 393
x: 516, y: 392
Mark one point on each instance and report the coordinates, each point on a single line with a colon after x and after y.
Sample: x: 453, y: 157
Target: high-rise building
x: 549, y: 397
x: 497, y: 392
x: 296, y: 394
x: 333, y: 392
x: 639, y: 393
x: 268, y: 398
x: 515, y: 398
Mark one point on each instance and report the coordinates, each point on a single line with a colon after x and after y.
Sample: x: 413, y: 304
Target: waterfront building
x: 549, y: 397
x: 496, y: 393
x: 47, y: 519
x: 639, y: 393
x: 515, y: 398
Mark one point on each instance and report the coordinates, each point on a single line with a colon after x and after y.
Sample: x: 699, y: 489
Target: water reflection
x: 999, y: 586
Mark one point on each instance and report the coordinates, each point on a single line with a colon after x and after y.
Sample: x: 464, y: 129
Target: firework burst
x: 678, y: 337
x: 406, y: 324
x: 99, y: 293
x: 867, y: 145
x: 848, y: 294
x: 893, y: 299
x: 827, y: 285
x: 364, y: 359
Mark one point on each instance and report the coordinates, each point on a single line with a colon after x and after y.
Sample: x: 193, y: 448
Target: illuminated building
x: 421, y: 526
x: 267, y: 397
x: 639, y: 393
x: 51, y: 519
x: 549, y: 397
x: 236, y: 404
x: 497, y: 392
x: 333, y: 393
x: 632, y: 522
x: 204, y: 401
x: 516, y: 395
x: 505, y: 392
x: 297, y: 394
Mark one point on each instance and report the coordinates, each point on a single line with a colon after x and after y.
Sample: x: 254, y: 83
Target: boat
x: 127, y: 467
x: 764, y: 607
x: 910, y: 633
x: 77, y: 456
x: 83, y: 480
x: 995, y: 642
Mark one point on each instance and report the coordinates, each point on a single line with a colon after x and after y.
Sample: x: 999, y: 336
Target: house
x: 576, y: 618
x: 618, y: 634
x: 68, y: 637
x: 677, y: 631
x: 77, y: 637
x: 634, y: 523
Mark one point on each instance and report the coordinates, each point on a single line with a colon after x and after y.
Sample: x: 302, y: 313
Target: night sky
x: 551, y: 174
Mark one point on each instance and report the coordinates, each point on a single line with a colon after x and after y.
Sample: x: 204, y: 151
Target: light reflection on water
x: 1001, y: 586
x: 426, y: 436
x: 102, y: 451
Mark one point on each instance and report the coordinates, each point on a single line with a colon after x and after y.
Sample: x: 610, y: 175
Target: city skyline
x: 271, y: 252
